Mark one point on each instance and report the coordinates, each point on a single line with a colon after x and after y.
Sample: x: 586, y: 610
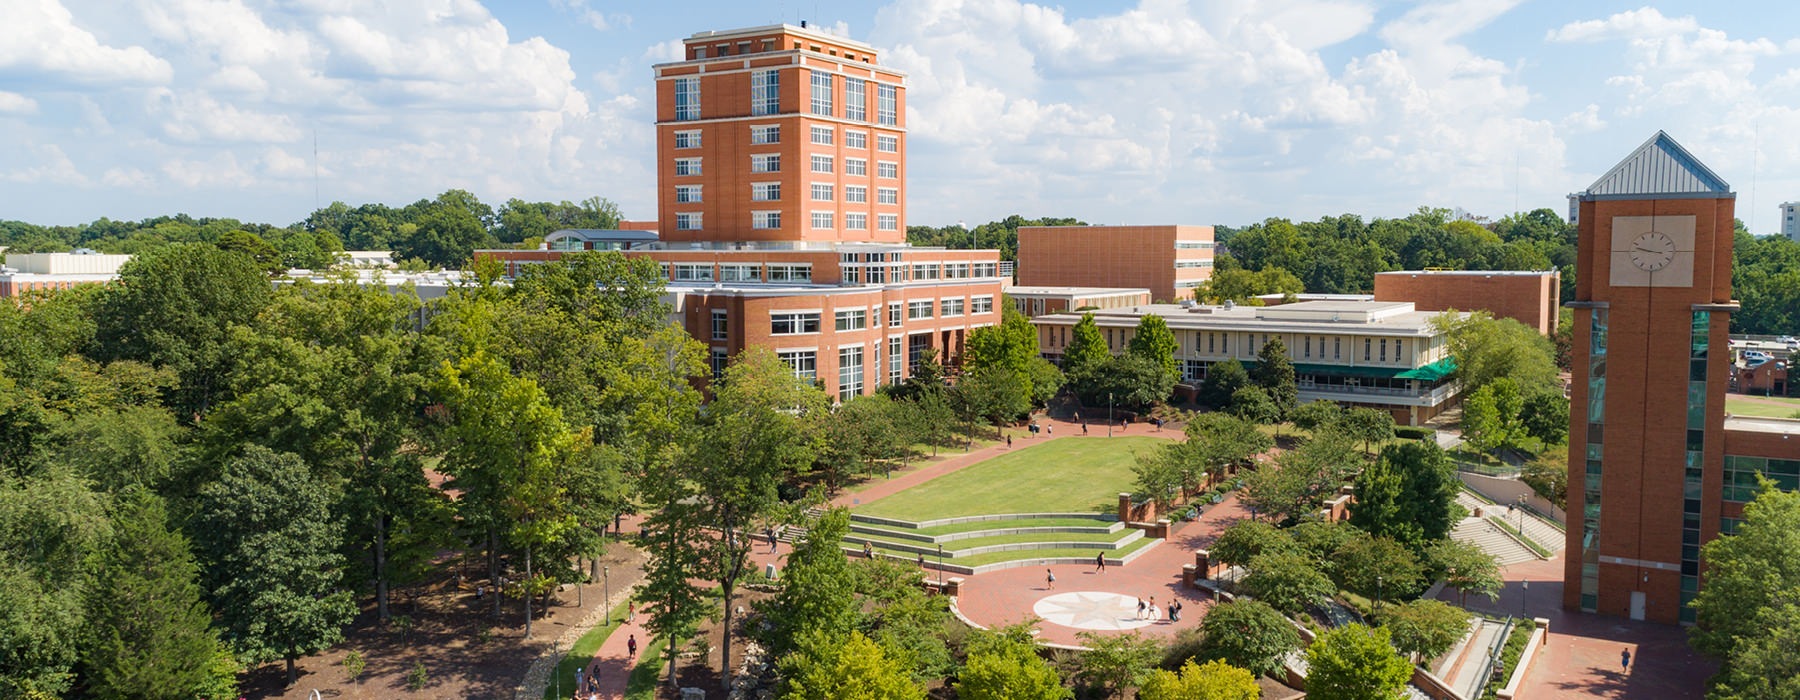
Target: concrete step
x: 1490, y: 539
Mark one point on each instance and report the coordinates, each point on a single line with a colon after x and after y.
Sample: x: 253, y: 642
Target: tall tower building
x: 1656, y: 468
x: 1790, y: 220
x: 780, y: 133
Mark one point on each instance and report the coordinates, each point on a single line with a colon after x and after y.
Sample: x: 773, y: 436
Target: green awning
x: 1432, y: 372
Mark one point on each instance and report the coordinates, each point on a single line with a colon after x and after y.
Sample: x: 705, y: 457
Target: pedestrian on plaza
x: 769, y: 532
x: 1155, y: 614
x: 1050, y: 430
x: 1083, y: 428
x: 1152, y: 610
x: 1175, y: 611
x: 1140, y: 614
x: 631, y: 612
x: 1100, y: 562
x: 1050, y: 579
x: 921, y: 560
x: 1009, y: 442
x: 1078, y: 416
x: 578, y: 680
x: 868, y: 551
x: 631, y: 647
x: 1625, y: 660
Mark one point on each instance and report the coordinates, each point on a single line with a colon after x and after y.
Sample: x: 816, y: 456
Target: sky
x: 1147, y: 112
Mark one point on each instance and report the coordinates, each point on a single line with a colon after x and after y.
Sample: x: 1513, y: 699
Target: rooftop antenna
x: 315, y: 168
x: 1755, y: 151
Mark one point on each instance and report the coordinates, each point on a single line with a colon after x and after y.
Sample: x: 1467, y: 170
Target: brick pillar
x: 1124, y: 507
x: 1188, y: 575
x: 953, y: 585
x: 1203, y: 561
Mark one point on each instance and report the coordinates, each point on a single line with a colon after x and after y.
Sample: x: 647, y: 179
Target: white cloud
x: 1585, y: 121
x: 591, y: 17
x: 41, y: 43
x: 39, y: 164
x: 15, y: 103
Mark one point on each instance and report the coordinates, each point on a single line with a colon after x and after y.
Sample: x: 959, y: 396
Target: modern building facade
x: 28, y: 272
x: 1383, y: 355
x: 1790, y: 220
x: 1168, y: 260
x: 781, y: 222
x: 780, y: 133
x: 1656, y: 468
x: 1529, y: 297
x: 1037, y: 301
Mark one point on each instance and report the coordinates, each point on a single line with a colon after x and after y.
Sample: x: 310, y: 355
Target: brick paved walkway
x: 1582, y: 659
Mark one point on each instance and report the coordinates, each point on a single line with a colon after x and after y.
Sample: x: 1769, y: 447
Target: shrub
x: 1414, y: 432
x: 416, y: 678
x: 354, y: 665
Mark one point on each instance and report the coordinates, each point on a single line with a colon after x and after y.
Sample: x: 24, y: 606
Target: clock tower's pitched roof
x: 1660, y: 168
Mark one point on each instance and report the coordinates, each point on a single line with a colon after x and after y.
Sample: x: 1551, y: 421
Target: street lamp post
x: 606, y: 584
x: 1377, y: 593
x: 1109, y: 413
x: 1524, y: 592
x: 940, y: 567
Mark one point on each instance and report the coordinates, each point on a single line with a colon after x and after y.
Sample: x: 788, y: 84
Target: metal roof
x: 601, y: 234
x: 1659, y: 167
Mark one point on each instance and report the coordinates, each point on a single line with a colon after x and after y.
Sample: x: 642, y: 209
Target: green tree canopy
x: 1748, y: 602
x: 1355, y: 662
x: 1425, y: 629
x: 1153, y: 341
x: 846, y: 668
x: 1004, y: 665
x: 1223, y: 380
x: 1287, y: 581
x: 1214, y: 680
x: 1248, y: 634
x: 1487, y: 349
x: 1275, y: 374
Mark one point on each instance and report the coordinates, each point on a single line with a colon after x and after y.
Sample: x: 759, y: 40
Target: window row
x: 765, y: 97
x: 737, y: 272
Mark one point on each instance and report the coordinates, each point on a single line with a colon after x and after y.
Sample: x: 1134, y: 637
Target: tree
x: 254, y: 247
x: 1013, y: 347
x: 1248, y: 634
x: 1545, y: 417
x: 1376, y: 567
x: 174, y: 307
x: 1004, y: 665
x: 846, y: 668
x: 1367, y: 425
x: 1243, y: 286
x: 818, y: 592
x: 1129, y: 380
x: 1319, y: 413
x: 1115, y: 662
x: 994, y: 395
x: 1275, y: 374
x: 861, y: 434
x: 268, y: 538
x: 1245, y: 540
x: 1251, y: 403
x: 1287, y: 581
x: 757, y: 432
x: 447, y: 235
x: 1220, y: 442
x: 1465, y: 568
x: 1491, y: 416
x: 151, y: 635
x: 1087, y: 352
x: 1548, y: 476
x: 1487, y: 349
x: 1153, y: 341
x: 1745, y: 605
x: 1425, y: 629
x: 1765, y: 666
x: 1320, y: 539
x: 1355, y: 662
x: 1215, y: 680
x: 1223, y: 380
x: 1408, y: 494
x: 49, y: 524
x: 1159, y: 476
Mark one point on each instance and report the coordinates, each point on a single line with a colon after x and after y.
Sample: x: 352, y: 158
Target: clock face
x: 1652, y: 251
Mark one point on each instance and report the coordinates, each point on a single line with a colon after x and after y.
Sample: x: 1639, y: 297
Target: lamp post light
x: 606, y: 586
x: 1378, y: 593
x: 940, y: 567
x: 1109, y: 413
x: 1524, y: 592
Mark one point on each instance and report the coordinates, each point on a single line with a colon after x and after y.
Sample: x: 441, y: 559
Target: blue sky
x: 1158, y: 111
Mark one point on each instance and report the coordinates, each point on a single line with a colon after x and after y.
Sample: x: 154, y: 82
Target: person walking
x: 1049, y: 579
x: 1625, y: 660
x: 1100, y: 562
x: 631, y: 647
x: 1140, y: 614
x: 868, y: 551
x: 631, y: 612
x: 1009, y: 442
x: 1175, y: 611
x: 1049, y: 430
x: 1083, y: 428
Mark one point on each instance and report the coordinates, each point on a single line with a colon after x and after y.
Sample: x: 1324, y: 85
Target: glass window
x: 855, y: 193
x: 856, y: 166
x: 765, y: 134
x: 790, y: 273
x: 859, y: 222
x: 888, y: 170
x: 823, y: 219
x: 721, y: 324
x: 765, y: 219
x: 888, y: 222
x: 765, y: 92
x: 765, y: 192
x: 887, y: 195
x: 804, y: 363
x: 981, y: 305
x: 851, y: 319
x: 687, y: 194
x: 687, y: 139
x: 821, y: 93
x: 850, y: 372
x: 856, y: 139
x: 821, y: 164
x: 719, y: 362
x: 687, y: 99
x: 821, y: 192
x: 856, y: 99
x: 740, y: 273
x: 952, y: 307
x: 918, y: 309
x: 693, y: 272
x: 894, y: 314
x: 822, y: 135
x: 887, y: 143
x: 895, y: 366
x: 887, y: 104
x: 687, y: 221
x: 687, y: 166
x: 793, y: 323
x: 765, y: 163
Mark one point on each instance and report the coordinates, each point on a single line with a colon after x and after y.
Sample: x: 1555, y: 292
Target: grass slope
x: 1071, y: 475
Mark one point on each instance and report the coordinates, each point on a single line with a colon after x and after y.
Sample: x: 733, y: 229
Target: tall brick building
x: 781, y: 220
x: 1529, y: 297
x: 1656, y: 467
x: 1168, y: 260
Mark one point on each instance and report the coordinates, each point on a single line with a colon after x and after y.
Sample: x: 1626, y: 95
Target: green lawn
x: 1760, y: 406
x: 974, y: 525
x: 974, y: 542
x: 996, y: 557
x: 1071, y: 475
x: 584, y: 650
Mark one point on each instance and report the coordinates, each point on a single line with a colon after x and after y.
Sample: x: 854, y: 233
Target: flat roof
x: 1473, y: 273
x: 712, y: 35
x: 1759, y: 424
x: 1333, y: 317
x: 1074, y: 291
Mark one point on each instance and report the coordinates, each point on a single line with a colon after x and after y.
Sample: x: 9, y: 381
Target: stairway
x: 1537, y: 529
x: 1481, y: 533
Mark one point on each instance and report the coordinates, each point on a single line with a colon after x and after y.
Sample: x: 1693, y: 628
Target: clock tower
x: 1646, y: 445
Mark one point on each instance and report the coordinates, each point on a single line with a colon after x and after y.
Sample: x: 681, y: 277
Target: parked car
x: 1789, y: 341
x: 1755, y: 356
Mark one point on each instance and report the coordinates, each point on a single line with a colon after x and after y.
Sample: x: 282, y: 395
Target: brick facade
x: 1150, y: 257
x: 1531, y: 298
